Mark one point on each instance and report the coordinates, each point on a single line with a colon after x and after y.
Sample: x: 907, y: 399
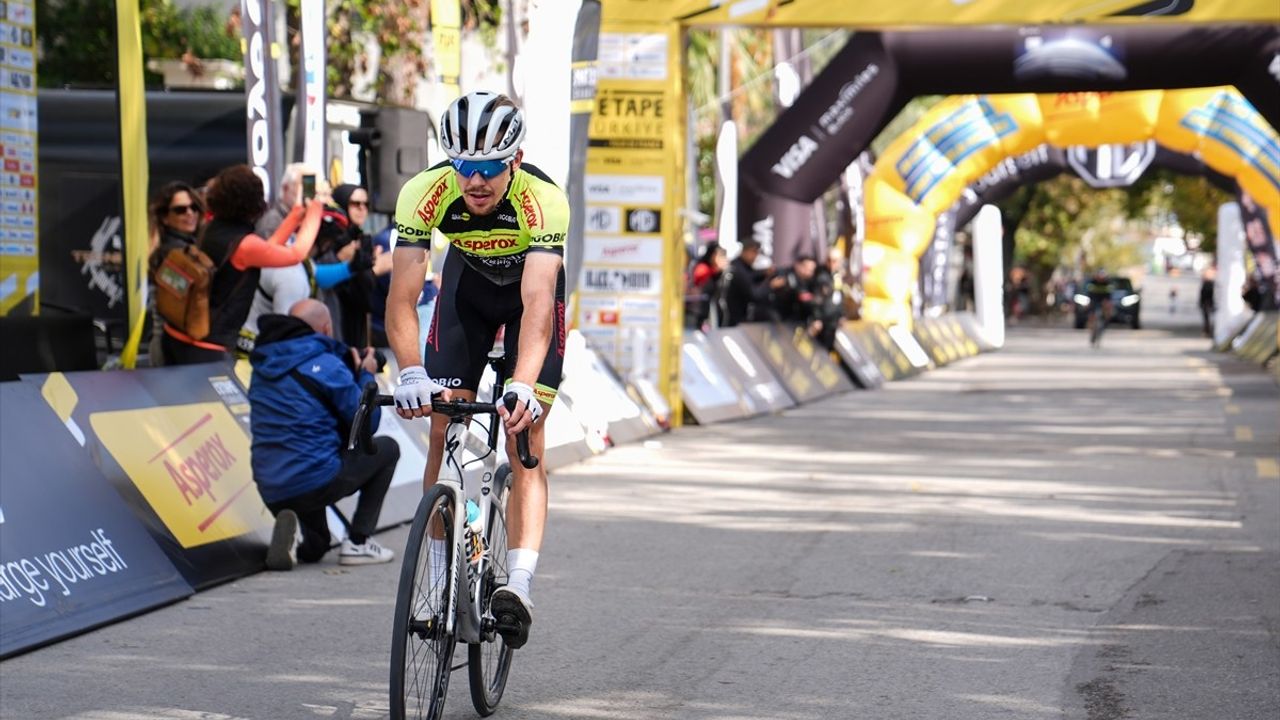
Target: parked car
x: 1126, y: 303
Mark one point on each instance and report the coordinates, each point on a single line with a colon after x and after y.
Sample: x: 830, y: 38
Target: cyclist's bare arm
x: 537, y: 292
x: 408, y: 272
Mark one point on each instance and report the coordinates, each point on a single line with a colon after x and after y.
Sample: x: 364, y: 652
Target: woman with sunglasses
x: 235, y: 196
x: 176, y: 215
x: 506, y: 222
x: 354, y: 296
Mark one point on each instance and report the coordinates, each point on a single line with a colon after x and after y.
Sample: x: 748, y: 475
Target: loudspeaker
x: 395, y: 145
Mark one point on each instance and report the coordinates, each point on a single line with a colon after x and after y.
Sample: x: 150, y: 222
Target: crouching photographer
x: 303, y: 396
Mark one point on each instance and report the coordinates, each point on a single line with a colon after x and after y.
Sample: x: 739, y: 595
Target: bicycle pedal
x: 514, y: 633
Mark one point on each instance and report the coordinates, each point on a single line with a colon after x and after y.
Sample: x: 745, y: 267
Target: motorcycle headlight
x: 1129, y: 300
x: 1082, y: 300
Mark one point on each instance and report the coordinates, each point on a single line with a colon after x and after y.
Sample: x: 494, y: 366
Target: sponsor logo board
x: 603, y: 219
x: 609, y: 250
x: 622, y: 280
x: 625, y: 189
x: 197, y: 480
x: 644, y: 220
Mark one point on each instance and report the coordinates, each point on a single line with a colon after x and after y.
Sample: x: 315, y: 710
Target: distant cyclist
x: 506, y: 222
x: 1098, y: 289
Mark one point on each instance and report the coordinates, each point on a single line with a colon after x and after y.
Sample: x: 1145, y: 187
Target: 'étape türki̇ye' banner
x: 631, y: 263
x: 924, y: 171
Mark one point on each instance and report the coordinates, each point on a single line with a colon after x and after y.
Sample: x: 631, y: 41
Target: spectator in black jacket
x: 746, y: 290
x: 803, y: 298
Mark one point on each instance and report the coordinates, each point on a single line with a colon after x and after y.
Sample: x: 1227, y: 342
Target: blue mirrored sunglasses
x: 488, y: 169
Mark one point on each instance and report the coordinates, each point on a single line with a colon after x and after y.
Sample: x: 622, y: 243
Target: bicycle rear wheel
x: 421, y: 647
x: 489, y: 661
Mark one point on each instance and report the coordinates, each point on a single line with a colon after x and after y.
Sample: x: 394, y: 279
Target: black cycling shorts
x: 469, y: 311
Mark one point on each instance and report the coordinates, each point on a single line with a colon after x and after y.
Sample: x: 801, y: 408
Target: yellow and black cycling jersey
x: 532, y: 217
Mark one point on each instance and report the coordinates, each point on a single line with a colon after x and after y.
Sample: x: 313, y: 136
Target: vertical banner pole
x: 582, y: 96
x: 262, y: 94
x: 446, y: 39
x: 312, y: 112
x: 988, y: 273
x: 134, y: 170
x: 1229, y: 316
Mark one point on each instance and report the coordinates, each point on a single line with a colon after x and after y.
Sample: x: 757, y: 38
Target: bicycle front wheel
x: 489, y: 661
x: 422, y: 645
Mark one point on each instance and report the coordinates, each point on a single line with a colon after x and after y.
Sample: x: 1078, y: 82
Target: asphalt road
x: 1044, y: 532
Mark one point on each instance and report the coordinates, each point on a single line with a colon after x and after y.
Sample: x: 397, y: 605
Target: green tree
x: 1190, y: 201
x: 77, y: 39
x: 399, y: 30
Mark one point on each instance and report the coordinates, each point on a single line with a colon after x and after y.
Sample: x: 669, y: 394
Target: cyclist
x: 1098, y: 289
x: 506, y: 222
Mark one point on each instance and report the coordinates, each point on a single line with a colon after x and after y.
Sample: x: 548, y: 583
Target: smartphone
x: 308, y: 186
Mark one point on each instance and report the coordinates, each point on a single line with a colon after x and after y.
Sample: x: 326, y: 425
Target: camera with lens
x: 379, y: 357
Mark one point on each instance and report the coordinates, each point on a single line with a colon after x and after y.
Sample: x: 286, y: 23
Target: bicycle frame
x: 477, y: 484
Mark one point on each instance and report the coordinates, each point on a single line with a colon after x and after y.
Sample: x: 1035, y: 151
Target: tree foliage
x: 1163, y: 197
x: 1065, y: 223
x: 77, y: 38
x: 399, y: 30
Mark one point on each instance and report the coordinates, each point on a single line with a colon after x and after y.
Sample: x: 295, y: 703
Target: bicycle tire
x: 418, y: 628
x: 489, y: 662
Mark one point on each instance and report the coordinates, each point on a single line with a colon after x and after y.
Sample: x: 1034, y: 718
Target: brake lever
x: 522, y: 438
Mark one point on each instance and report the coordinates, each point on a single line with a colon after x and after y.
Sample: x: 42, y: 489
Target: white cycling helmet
x: 482, y: 126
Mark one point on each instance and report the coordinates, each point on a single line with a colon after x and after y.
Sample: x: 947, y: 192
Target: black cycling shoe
x: 511, y: 616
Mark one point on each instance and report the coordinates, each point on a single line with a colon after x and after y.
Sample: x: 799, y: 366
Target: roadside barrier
x: 969, y: 327
x: 806, y: 371
x: 887, y: 354
x: 174, y: 443
x: 1257, y: 343
x: 712, y: 390
x: 858, y: 359
x: 73, y: 556
x: 609, y: 403
x: 737, y: 352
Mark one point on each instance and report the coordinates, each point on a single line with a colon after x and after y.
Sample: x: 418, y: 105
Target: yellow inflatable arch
x: 924, y: 171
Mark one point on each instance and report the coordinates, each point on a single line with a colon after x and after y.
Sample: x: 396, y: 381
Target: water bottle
x: 474, y: 534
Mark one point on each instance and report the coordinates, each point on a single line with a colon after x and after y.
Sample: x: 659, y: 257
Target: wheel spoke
x: 422, y: 648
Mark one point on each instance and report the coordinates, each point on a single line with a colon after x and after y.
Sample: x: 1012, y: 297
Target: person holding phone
x: 291, y: 194
x: 239, y: 254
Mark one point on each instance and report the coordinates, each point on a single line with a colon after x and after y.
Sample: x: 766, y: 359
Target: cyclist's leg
x: 527, y: 506
x: 457, y: 347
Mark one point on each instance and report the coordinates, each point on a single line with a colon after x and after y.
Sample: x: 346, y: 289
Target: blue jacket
x: 297, y: 439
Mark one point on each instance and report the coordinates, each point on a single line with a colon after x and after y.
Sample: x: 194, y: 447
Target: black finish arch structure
x: 1087, y: 67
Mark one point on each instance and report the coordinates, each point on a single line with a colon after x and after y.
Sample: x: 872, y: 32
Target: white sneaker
x: 282, y: 553
x: 370, y: 553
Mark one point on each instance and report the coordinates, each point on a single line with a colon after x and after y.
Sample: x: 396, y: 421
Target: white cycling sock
x: 521, y: 564
x: 437, y: 560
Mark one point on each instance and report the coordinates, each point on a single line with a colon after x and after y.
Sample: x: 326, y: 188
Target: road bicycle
x: 443, y: 597
x: 1101, y: 318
